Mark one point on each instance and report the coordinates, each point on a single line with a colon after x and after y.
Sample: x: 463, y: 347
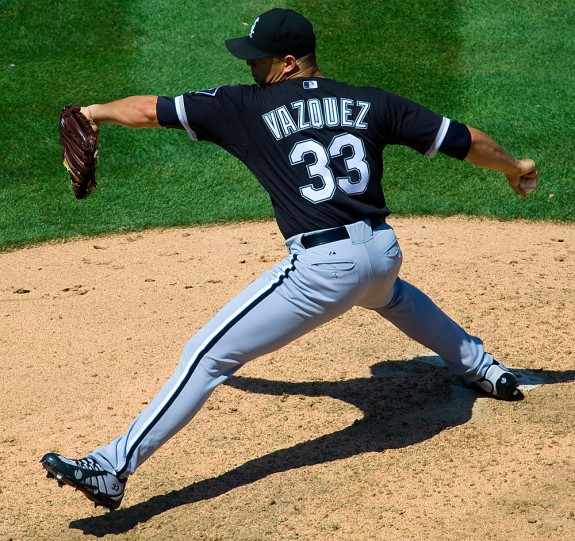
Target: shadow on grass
x: 403, y: 403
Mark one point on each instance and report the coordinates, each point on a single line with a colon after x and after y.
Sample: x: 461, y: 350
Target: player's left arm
x: 132, y: 112
x: 484, y: 152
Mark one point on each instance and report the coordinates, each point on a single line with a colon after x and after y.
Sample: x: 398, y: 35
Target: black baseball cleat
x: 87, y: 476
x: 498, y: 382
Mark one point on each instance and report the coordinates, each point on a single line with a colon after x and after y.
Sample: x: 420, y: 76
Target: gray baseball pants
x: 304, y: 290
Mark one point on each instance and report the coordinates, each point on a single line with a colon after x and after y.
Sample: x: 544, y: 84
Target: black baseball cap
x: 275, y: 33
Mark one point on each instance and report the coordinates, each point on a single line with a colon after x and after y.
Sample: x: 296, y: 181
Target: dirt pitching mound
x: 354, y: 432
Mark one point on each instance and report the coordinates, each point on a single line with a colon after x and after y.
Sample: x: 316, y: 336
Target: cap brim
x: 241, y: 48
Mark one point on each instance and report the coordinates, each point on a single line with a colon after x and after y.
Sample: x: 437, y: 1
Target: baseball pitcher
x: 316, y: 146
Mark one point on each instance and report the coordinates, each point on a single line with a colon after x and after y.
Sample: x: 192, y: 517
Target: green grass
x: 505, y: 68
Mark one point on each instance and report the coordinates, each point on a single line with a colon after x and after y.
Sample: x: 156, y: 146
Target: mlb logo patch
x: 310, y: 85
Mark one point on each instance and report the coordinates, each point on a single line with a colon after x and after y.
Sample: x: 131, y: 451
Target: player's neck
x: 308, y: 72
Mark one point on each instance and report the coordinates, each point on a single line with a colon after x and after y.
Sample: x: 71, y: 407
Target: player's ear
x: 290, y: 63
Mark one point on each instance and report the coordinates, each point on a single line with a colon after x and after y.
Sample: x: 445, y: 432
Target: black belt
x: 309, y: 240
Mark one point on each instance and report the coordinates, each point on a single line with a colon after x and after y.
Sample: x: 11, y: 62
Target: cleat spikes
x: 103, y: 488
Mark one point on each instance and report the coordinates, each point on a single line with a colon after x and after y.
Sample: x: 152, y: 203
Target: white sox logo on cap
x: 254, y: 27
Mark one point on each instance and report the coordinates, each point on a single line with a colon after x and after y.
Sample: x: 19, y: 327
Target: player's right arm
x: 416, y: 126
x: 486, y: 153
x: 132, y: 112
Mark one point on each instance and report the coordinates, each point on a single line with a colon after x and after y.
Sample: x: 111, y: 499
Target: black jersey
x: 315, y: 144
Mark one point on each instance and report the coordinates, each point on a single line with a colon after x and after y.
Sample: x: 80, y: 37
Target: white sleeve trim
x: 438, y: 138
x: 181, y: 111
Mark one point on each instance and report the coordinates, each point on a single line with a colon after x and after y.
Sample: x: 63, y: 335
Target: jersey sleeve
x: 457, y: 141
x: 408, y: 123
x: 213, y: 115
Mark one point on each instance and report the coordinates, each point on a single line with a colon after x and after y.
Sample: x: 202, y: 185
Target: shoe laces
x: 97, y: 478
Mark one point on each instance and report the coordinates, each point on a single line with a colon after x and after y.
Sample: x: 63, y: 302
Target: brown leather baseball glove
x: 79, y: 142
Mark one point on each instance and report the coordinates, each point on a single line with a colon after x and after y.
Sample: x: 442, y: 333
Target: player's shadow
x: 403, y: 403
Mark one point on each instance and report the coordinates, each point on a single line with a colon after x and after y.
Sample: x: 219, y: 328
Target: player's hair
x: 308, y: 60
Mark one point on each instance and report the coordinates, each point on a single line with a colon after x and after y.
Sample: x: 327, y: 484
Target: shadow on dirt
x: 403, y: 403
